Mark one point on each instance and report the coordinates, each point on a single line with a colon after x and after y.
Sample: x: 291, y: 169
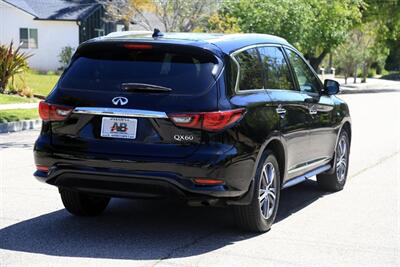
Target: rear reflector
x: 42, y: 168
x: 201, y: 181
x: 209, y: 121
x: 138, y: 46
x: 50, y: 112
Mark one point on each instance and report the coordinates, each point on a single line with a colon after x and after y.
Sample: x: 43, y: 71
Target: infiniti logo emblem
x: 120, y: 100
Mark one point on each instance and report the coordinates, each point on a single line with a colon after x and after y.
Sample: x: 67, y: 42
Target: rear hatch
x: 122, y: 92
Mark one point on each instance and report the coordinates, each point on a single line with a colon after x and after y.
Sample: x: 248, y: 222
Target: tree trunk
x: 126, y: 24
x: 355, y: 74
x: 316, y: 61
x: 345, y: 78
x: 364, y: 72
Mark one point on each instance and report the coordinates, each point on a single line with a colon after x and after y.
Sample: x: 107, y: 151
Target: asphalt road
x: 358, y: 226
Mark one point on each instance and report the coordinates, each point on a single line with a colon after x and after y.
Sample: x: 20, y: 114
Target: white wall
x: 52, y: 35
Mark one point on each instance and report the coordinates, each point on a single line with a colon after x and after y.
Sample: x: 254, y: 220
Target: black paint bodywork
x: 155, y: 165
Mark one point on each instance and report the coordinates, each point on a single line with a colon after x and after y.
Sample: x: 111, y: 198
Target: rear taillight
x: 50, y: 112
x: 209, y: 121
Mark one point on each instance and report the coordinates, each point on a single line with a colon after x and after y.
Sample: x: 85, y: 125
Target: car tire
x: 336, y: 179
x: 260, y: 214
x: 81, y: 204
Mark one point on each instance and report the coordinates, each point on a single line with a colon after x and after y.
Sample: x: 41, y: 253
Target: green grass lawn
x: 13, y: 99
x: 18, y: 114
x: 41, y: 84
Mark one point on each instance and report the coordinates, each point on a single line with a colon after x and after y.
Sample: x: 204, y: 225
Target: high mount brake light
x: 138, y: 46
x: 50, y: 112
x: 209, y: 121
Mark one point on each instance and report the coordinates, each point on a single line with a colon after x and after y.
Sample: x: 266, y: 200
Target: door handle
x: 281, y: 111
x: 313, y: 110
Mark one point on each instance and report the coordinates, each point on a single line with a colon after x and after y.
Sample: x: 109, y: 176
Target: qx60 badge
x: 120, y: 100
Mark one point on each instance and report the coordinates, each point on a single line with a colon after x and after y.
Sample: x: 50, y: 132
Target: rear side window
x: 107, y: 70
x: 250, y: 73
x: 276, y: 70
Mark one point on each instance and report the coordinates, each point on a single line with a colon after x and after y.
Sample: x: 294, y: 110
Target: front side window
x: 276, y: 70
x: 250, y: 73
x: 308, y: 82
x: 28, y: 38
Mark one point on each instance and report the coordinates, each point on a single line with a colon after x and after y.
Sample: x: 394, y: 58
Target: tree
x: 127, y: 11
x: 371, y: 49
x: 184, y: 15
x: 348, y: 56
x: 386, y: 16
x: 316, y: 27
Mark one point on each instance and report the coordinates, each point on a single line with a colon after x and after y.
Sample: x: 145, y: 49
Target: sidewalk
x: 372, y: 85
x: 19, y: 106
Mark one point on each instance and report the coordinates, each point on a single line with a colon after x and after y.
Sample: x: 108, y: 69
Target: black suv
x: 212, y: 119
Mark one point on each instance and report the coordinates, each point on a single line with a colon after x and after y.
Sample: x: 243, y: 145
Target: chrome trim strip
x: 302, y: 178
x: 310, y: 165
x: 120, y: 112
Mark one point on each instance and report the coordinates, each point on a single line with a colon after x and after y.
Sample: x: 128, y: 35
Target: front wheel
x: 260, y: 214
x: 336, y: 180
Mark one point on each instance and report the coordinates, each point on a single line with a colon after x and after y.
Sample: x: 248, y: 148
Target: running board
x: 302, y: 178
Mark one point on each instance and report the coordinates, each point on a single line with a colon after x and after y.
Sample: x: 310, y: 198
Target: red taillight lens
x: 138, y: 46
x: 50, y: 112
x: 209, y: 121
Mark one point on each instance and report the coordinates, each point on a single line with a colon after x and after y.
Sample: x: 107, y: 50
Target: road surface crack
x: 185, y: 246
x: 380, y: 161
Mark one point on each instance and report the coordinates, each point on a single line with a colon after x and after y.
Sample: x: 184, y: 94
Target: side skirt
x: 302, y: 178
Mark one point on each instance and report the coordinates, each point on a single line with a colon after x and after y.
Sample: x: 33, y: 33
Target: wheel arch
x: 346, y: 126
x: 278, y: 147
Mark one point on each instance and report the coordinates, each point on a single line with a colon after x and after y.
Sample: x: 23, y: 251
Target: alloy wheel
x: 341, y: 160
x: 267, y: 190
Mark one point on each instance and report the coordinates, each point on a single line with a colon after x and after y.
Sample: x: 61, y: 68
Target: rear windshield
x: 182, y: 72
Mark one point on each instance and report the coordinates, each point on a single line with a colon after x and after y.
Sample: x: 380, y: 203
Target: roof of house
x: 56, y: 9
x: 225, y: 43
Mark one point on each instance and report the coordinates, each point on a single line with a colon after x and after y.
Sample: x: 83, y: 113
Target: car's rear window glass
x: 182, y: 72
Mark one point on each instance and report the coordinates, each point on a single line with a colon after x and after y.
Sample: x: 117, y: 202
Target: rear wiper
x: 143, y: 87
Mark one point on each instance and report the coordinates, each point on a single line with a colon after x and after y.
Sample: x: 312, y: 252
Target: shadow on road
x: 27, y: 145
x: 141, y: 230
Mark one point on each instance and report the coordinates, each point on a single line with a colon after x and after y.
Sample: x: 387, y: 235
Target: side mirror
x: 331, y: 87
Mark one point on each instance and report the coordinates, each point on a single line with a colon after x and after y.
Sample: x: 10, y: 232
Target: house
x: 44, y: 27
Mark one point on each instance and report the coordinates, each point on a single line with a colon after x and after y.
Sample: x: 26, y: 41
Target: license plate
x: 118, y: 127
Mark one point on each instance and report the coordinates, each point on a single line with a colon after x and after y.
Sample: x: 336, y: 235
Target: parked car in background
x: 212, y: 119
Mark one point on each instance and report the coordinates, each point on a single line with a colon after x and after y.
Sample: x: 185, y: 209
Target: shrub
x: 11, y: 62
x: 65, y: 56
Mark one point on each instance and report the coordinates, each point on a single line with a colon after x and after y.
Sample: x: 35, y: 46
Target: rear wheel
x: 82, y: 204
x: 261, y: 213
x: 336, y: 180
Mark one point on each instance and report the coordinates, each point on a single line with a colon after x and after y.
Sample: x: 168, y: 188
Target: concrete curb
x: 16, y: 126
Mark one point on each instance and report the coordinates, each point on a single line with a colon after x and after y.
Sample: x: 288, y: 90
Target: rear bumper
x: 146, y: 178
